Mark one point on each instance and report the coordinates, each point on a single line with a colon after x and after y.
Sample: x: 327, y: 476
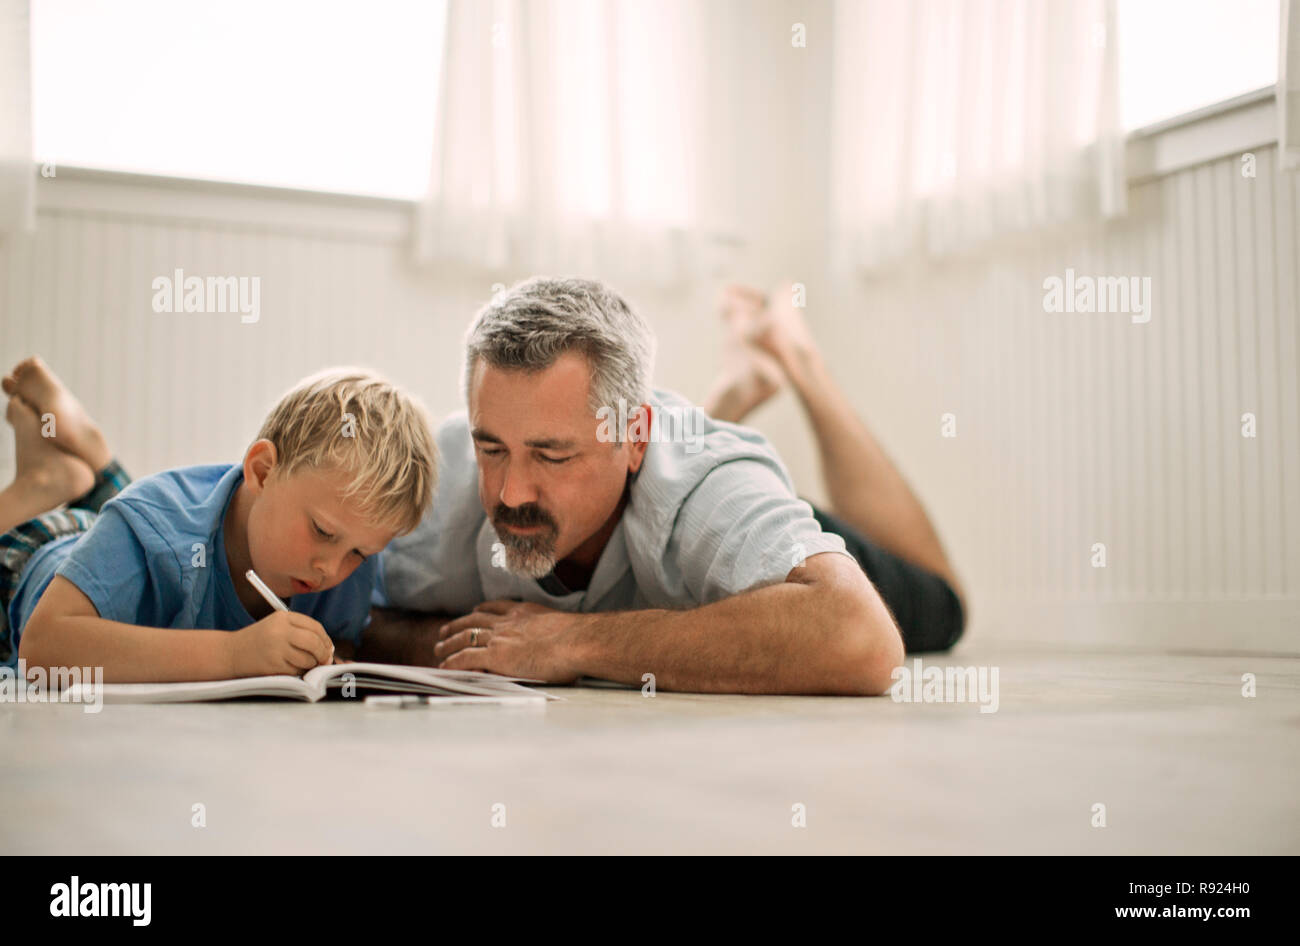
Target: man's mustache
x: 529, y: 514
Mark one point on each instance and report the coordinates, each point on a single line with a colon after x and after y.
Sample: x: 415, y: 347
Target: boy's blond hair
x: 352, y: 420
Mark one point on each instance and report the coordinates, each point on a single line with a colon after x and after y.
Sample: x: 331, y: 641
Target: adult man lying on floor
x: 562, y: 551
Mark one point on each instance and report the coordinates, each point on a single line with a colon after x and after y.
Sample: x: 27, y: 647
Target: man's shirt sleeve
x: 742, y: 528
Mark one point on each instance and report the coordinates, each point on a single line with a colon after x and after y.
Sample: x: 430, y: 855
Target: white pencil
x: 271, y: 597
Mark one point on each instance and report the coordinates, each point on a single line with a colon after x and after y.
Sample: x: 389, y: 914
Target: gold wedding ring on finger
x: 473, y: 636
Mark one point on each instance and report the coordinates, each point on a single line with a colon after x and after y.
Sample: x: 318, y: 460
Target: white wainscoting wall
x: 1072, y: 429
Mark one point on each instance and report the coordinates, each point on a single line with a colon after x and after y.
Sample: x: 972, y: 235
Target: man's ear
x: 638, y: 435
x: 259, y: 461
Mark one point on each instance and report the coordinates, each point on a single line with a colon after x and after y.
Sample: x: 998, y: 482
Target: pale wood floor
x: 1182, y: 762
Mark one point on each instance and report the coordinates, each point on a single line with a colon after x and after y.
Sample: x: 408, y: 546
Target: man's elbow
x: 872, y: 666
x: 872, y: 648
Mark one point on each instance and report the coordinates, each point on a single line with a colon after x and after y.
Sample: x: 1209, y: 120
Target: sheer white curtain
x: 17, y: 167
x: 565, y: 136
x: 958, y: 121
x: 1288, y: 86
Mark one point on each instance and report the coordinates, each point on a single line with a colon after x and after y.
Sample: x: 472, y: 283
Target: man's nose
x: 517, y: 488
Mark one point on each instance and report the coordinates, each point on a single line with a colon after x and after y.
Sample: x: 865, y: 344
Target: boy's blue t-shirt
x: 156, y: 557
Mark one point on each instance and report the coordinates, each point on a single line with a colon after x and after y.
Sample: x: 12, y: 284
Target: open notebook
x: 315, y: 683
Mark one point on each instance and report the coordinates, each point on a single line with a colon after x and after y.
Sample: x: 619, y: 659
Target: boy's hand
x: 282, y: 642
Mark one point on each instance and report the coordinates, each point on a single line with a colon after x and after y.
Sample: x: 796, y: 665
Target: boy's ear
x: 259, y: 461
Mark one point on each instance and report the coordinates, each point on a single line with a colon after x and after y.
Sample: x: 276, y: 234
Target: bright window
x: 279, y: 92
x: 1176, y: 56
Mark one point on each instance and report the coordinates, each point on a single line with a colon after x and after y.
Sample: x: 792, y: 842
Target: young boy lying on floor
x: 344, y: 463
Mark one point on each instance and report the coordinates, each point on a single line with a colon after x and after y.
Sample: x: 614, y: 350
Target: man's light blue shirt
x: 711, y: 513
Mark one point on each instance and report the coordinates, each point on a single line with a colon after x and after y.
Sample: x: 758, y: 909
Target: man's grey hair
x: 528, y: 326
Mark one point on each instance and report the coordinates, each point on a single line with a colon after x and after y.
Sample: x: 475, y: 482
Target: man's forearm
x: 786, y: 638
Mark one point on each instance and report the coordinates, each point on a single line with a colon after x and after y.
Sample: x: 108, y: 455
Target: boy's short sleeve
x: 742, y: 528
x: 114, y: 570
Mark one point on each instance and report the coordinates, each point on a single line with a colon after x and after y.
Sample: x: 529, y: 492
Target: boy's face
x: 303, y: 536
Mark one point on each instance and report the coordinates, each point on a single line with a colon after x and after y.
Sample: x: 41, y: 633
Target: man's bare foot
x: 749, y: 375
x: 73, y: 428
x: 46, y: 477
x: 782, y: 333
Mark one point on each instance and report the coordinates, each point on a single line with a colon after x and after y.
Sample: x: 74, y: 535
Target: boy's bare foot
x: 74, y: 429
x: 749, y: 375
x: 47, y: 477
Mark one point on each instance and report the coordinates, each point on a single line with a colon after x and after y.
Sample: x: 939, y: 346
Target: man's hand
x: 513, y: 638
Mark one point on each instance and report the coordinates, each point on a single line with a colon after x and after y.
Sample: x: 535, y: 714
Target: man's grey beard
x: 529, y: 556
